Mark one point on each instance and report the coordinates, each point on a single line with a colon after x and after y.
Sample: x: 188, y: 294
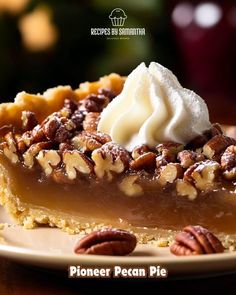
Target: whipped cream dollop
x: 152, y: 108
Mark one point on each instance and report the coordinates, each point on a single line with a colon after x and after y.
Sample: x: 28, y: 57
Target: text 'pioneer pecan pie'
x: 138, y: 153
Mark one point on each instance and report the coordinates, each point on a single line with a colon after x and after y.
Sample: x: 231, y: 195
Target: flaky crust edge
x: 52, y: 99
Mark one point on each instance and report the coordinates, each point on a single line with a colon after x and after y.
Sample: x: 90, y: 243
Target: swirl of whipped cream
x: 152, y: 108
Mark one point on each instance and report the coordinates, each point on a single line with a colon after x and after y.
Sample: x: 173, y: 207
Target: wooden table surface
x: 16, y: 279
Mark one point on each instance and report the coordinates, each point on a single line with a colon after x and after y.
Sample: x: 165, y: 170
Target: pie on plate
x: 57, y: 169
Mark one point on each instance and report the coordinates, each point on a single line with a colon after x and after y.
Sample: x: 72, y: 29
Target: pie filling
x: 62, y: 163
x: 103, y: 201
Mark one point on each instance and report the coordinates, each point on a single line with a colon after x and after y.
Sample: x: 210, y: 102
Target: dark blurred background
x: 46, y: 43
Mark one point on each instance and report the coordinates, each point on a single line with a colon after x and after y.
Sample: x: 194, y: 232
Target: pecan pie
x: 56, y: 168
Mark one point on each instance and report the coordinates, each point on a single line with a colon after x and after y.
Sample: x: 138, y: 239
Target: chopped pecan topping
x: 33, y: 151
x: 216, y: 129
x: 59, y: 176
x: 107, y: 92
x: 10, y: 148
x: 196, y: 240
x: 168, y: 152
x: 198, y: 141
x: 33, y: 136
x: 95, y: 103
x: 169, y: 173
x: 77, y: 118
x: 76, y: 161
x: 48, y: 159
x: 70, y: 105
x: 64, y: 146
x: 185, y: 189
x: 228, y: 162
x: 89, y: 141
x: 216, y: 146
x: 188, y: 158
x: 90, y: 122
x: 203, y: 174
x: 58, y: 129
x: 21, y: 146
x: 29, y: 120
x: 107, y: 242
x: 145, y: 161
x: 140, y: 150
x: 110, y: 158
x: 129, y: 186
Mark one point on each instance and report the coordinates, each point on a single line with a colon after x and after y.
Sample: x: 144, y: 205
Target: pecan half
x: 76, y: 161
x: 228, y: 162
x: 203, y: 174
x: 188, y: 158
x: 145, y: 161
x: 196, y: 240
x: 89, y: 141
x: 129, y: 186
x: 216, y: 146
x: 90, y: 122
x: 110, y: 158
x: 107, y: 242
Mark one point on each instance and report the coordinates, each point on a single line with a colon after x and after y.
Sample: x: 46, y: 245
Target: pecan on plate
x: 196, y: 240
x: 107, y: 242
x: 110, y: 158
x: 228, y: 162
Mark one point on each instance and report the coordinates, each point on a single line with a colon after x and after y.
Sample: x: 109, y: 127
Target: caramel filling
x: 95, y: 201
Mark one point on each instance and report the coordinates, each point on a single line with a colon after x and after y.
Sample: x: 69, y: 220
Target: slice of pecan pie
x: 58, y: 169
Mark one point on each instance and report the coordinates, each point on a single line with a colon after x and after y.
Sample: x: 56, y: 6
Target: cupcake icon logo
x: 118, y: 17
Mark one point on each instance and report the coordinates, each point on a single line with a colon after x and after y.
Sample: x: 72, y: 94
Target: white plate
x: 53, y: 249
